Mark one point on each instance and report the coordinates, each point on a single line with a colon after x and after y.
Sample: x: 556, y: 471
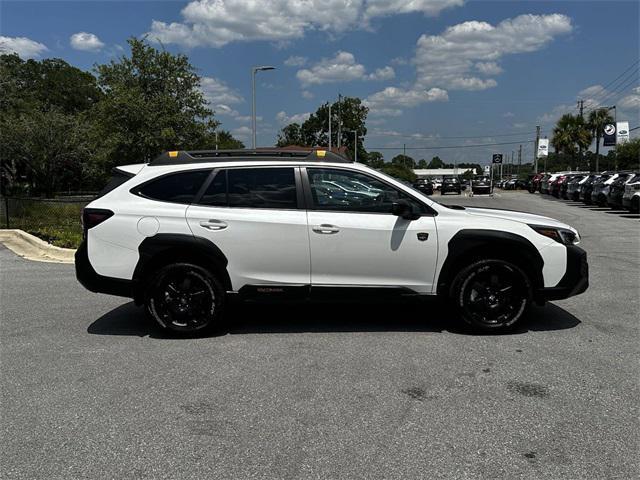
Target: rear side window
x: 177, y: 187
x: 118, y: 177
x: 252, y: 188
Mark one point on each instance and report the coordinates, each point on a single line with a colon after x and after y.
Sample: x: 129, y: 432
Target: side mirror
x: 404, y: 209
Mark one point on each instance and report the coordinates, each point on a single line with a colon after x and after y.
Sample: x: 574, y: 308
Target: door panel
x: 372, y: 249
x: 354, y: 238
x: 252, y: 215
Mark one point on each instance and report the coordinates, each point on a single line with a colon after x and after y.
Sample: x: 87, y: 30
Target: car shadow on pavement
x: 300, y: 317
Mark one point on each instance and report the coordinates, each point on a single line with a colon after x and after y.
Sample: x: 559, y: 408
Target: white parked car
x: 184, y: 232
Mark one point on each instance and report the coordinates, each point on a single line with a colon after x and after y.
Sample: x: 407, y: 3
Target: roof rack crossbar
x: 205, y: 156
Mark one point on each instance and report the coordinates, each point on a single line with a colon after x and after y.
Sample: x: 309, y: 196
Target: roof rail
x: 205, y: 156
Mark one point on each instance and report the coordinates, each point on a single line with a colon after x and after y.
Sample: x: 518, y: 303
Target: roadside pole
x: 329, y: 126
x: 535, y: 150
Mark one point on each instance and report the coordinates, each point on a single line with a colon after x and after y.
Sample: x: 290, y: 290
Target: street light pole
x: 254, y: 70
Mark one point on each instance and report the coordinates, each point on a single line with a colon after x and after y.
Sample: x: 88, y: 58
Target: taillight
x: 94, y: 216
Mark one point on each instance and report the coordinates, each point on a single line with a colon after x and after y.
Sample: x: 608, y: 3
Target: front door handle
x: 325, y: 228
x: 213, y: 224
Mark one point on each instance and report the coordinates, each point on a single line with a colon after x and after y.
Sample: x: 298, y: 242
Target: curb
x: 31, y: 247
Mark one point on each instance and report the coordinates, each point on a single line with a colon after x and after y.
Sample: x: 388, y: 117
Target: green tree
x: 571, y: 135
x: 291, y: 135
x: 399, y: 171
x: 45, y: 85
x: 350, y: 114
x: 598, y: 118
x: 374, y: 159
x: 405, y: 160
x: 422, y: 163
x: 152, y: 103
x: 627, y: 155
x: 53, y: 148
x: 436, y: 163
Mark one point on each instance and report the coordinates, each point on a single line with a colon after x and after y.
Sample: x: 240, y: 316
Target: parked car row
x: 447, y: 185
x: 606, y: 189
x: 512, y: 184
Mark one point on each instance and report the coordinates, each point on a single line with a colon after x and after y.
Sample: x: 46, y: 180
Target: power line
x: 619, y: 76
x: 451, y: 146
x: 393, y: 134
x: 627, y: 79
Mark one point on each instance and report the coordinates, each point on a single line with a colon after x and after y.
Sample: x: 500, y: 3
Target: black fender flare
x: 471, y: 243
x: 161, y: 248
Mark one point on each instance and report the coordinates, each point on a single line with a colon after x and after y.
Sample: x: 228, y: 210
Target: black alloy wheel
x: 492, y: 294
x: 185, y: 298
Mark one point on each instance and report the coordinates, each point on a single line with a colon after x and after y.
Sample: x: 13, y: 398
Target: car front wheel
x: 185, y: 298
x: 491, y: 294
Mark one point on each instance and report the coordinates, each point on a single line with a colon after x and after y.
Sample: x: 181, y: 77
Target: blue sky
x: 428, y: 69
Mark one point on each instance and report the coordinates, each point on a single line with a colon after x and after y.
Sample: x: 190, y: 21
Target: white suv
x: 184, y: 232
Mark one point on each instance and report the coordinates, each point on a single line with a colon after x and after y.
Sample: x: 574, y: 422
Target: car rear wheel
x: 491, y: 294
x: 185, y: 298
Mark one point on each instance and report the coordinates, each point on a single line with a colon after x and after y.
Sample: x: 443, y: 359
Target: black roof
x: 205, y: 156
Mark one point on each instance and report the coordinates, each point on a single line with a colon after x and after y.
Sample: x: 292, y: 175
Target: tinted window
x: 216, y: 193
x: 117, y: 178
x: 343, y: 190
x: 177, y: 187
x: 261, y: 188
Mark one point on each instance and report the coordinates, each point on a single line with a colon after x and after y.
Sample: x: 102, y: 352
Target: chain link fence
x: 55, y: 220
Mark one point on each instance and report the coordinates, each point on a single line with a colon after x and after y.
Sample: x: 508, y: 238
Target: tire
x: 492, y: 294
x: 185, y: 299
x: 635, y: 205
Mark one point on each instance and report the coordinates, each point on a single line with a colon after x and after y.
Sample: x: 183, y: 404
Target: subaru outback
x: 185, y: 232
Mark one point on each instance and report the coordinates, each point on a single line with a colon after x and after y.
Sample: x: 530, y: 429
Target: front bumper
x: 94, y: 282
x: 575, y: 280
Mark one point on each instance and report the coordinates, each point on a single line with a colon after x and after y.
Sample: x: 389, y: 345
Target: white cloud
x: 307, y: 94
x: 216, y: 92
x: 390, y: 101
x: 508, y: 114
x: 242, y: 133
x: 87, y: 42
x: 453, y: 59
x: 285, y: 119
x: 341, y: 68
x: 218, y: 22
x: 489, y: 68
x: 450, y: 59
x: 632, y: 101
x: 386, y: 73
x: 23, y: 46
x: 295, y: 61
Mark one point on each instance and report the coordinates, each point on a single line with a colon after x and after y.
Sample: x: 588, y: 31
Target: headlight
x: 560, y: 235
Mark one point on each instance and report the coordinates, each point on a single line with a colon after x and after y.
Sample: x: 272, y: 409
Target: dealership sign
x: 609, y: 135
x: 497, y: 158
x: 543, y: 147
x: 622, y: 132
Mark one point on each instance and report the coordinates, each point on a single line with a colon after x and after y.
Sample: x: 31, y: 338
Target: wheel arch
x: 469, y: 245
x: 163, y: 249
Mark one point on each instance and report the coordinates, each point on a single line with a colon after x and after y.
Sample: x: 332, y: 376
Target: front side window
x: 343, y: 190
x: 177, y: 187
x: 252, y: 188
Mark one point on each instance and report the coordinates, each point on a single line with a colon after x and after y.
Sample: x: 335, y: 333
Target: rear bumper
x: 575, y: 280
x: 95, y: 282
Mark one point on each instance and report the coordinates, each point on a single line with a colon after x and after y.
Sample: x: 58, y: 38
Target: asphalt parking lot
x: 90, y: 389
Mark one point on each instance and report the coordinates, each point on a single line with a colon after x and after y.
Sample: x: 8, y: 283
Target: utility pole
x: 545, y: 160
x: 581, y: 107
x: 255, y: 70
x: 329, y: 126
x: 355, y: 148
x: 216, y: 138
x: 339, y: 142
x: 404, y: 149
x: 535, y: 150
x: 519, y: 159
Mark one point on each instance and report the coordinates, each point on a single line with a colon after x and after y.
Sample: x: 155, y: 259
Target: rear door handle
x: 325, y: 228
x: 213, y: 224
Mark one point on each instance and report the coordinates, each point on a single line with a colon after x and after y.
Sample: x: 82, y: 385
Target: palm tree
x: 597, y: 120
x: 571, y: 135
